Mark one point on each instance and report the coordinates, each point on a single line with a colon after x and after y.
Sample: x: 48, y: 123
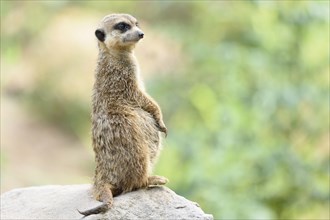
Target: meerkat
x: 126, y: 121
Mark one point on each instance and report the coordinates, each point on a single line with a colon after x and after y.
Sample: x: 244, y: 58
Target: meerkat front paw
x: 162, y: 128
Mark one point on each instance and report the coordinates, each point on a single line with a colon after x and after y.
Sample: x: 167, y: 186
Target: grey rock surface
x: 62, y: 202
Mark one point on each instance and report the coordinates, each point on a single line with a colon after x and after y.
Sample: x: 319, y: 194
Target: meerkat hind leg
x: 157, y: 180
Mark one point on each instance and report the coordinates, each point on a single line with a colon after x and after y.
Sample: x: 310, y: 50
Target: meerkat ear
x: 99, y: 33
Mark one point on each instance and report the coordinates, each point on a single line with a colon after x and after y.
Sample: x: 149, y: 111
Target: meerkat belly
x: 150, y: 133
x: 123, y: 155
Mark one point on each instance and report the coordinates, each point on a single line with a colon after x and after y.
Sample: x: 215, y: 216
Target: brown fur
x: 125, y: 120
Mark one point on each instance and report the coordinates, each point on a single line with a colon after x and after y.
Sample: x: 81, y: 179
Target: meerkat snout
x: 133, y: 35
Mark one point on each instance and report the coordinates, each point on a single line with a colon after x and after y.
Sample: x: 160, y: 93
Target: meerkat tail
x: 106, y: 194
x: 96, y: 210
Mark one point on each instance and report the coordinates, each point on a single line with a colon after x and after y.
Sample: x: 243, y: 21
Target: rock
x: 62, y: 202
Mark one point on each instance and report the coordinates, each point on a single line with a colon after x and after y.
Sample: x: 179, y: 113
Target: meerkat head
x: 118, y: 32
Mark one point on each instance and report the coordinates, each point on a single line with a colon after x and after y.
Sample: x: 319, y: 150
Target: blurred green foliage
x: 248, y: 115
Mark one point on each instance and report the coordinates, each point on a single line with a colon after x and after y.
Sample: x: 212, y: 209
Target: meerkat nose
x: 141, y: 34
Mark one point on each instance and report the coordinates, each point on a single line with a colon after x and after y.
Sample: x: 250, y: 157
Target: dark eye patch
x: 122, y: 26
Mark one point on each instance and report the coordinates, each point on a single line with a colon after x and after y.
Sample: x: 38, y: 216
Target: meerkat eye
x: 137, y: 24
x: 122, y: 26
